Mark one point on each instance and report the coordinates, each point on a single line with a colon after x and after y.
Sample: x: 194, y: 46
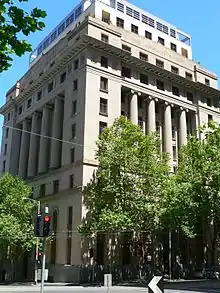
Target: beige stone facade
x: 107, y: 63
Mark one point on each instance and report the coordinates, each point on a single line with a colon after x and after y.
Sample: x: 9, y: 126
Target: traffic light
x: 46, y: 226
x: 37, y: 227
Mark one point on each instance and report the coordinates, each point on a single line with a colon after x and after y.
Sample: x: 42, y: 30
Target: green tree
x: 193, y: 194
x: 125, y: 191
x: 16, y: 228
x: 15, y: 24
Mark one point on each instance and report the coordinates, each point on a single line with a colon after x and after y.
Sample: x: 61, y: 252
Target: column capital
x: 26, y: 121
x: 58, y: 97
x: 36, y: 113
x: 169, y: 104
x: 133, y: 92
x: 184, y: 109
x: 153, y: 98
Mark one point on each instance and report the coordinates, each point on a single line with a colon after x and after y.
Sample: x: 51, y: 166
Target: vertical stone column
x: 57, y: 131
x: 168, y: 133
x: 134, y: 107
x: 151, y: 115
x: 145, y: 116
x: 44, y: 141
x: 34, y: 146
x: 183, y: 127
x: 24, y: 149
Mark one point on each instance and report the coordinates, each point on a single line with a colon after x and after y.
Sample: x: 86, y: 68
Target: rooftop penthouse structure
x: 108, y: 11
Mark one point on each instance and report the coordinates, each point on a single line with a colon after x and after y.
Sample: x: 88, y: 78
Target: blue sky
x: 198, y: 18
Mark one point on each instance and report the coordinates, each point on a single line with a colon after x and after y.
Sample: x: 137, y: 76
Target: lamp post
x: 36, y: 202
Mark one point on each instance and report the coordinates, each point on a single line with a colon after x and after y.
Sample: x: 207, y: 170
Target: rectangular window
x: 63, y: 77
x: 75, y: 85
x: 188, y: 76
x: 158, y: 127
x: 50, y: 87
x: 69, y: 235
x: 104, y: 38
x: 9, y: 116
x: 184, y: 52
x: 173, y: 132
x: 106, y: 17
x: 174, y: 153
x: 140, y: 104
x: 56, y: 186
x: 103, y: 106
x: 189, y: 96
x: 175, y: 91
x: 103, y: 84
x: 126, y: 72
x: 160, y: 85
x: 6, y: 132
x: 29, y: 103
x: 207, y: 82
x: 161, y: 41
x: 143, y: 56
x: 120, y: 22
x: 74, y: 131
x: 126, y: 48
x: 148, y: 35
x: 74, y: 107
x: 210, y: 117
x: 209, y: 102
x: 104, y: 61
x: 76, y: 64
x: 159, y: 63
x: 134, y: 29
x: 20, y: 110
x: 72, y: 155
x: 5, y: 149
x: 70, y: 218
x: 71, y: 181
x: 39, y: 95
x: 3, y: 166
x: 173, y: 47
x: 143, y: 78
x: 42, y: 190
x: 174, y: 70
x: 102, y: 126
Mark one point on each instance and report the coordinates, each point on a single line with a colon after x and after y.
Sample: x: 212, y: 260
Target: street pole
x: 43, y: 265
x: 36, y: 250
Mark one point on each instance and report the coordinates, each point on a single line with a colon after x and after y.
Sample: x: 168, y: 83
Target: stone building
x: 106, y: 58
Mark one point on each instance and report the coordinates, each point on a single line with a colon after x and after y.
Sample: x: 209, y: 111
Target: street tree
x: 16, y: 228
x: 193, y: 194
x: 125, y: 191
x: 15, y: 25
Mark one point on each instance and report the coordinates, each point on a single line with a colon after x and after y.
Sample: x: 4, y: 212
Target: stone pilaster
x: 34, y: 145
x: 57, y: 131
x: 44, y: 140
x: 24, y: 149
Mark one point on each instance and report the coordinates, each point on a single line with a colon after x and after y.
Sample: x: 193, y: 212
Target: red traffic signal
x: 47, y: 219
x: 46, y: 226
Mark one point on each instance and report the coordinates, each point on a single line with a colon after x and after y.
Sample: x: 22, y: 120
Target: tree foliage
x: 193, y: 197
x: 125, y: 191
x: 15, y: 24
x: 16, y: 228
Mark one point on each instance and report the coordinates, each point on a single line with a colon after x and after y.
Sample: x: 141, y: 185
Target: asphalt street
x: 62, y: 289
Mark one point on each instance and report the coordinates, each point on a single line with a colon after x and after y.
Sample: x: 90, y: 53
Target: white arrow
x: 153, y: 284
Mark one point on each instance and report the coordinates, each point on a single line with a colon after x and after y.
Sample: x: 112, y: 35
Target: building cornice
x: 71, y: 49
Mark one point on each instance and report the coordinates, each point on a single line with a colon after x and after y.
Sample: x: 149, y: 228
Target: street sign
x: 156, y: 285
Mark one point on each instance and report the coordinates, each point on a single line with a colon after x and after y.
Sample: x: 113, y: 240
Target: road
x: 63, y: 289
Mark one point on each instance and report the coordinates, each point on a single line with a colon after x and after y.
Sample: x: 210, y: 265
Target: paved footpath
x: 63, y: 289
